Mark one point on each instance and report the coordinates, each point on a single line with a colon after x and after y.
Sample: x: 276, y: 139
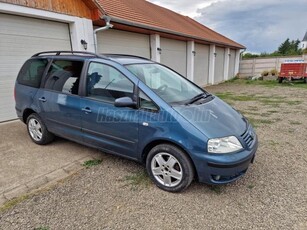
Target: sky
x: 260, y: 25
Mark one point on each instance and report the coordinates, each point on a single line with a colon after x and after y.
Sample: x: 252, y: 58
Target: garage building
x: 139, y: 28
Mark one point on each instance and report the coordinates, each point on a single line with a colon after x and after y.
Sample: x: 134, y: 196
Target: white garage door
x: 219, y: 65
x: 174, y: 55
x: 201, y: 64
x: 122, y: 42
x: 20, y: 38
x: 232, y: 63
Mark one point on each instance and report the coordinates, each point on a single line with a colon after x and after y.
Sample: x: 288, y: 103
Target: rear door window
x: 31, y: 72
x: 64, y: 76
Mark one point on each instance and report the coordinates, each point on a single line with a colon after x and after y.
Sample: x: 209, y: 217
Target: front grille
x: 248, y: 136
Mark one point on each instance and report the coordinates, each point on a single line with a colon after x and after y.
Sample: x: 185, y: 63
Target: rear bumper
x: 224, y: 168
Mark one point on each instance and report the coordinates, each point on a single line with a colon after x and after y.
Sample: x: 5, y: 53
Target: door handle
x: 86, y: 110
x: 42, y: 99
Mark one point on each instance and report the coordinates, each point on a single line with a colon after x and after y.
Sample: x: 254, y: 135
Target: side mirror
x: 124, y: 102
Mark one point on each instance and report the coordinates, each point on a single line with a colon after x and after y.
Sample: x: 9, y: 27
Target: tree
x: 289, y: 47
x: 286, y: 48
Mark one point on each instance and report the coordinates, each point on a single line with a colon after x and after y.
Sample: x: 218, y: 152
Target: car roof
x: 123, y: 59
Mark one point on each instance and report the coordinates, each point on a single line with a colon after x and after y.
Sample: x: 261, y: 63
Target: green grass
x: 295, y: 123
x: 216, y: 189
x: 91, y: 163
x: 272, y: 101
x: 13, y: 202
x: 273, y: 143
x: 269, y: 84
x: 138, y: 179
x: 257, y: 122
x: 251, y: 186
x: 42, y: 228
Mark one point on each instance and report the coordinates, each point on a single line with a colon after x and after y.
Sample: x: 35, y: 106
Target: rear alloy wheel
x: 38, y: 131
x: 170, y: 168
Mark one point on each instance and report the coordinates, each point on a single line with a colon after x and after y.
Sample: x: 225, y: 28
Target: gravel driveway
x: 118, y: 195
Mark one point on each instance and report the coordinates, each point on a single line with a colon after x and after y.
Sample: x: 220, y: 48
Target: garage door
x: 20, y: 38
x: 201, y: 64
x: 219, y: 65
x: 232, y: 63
x: 122, y: 42
x: 174, y: 55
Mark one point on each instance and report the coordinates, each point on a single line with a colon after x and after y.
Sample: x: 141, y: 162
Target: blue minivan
x: 136, y: 108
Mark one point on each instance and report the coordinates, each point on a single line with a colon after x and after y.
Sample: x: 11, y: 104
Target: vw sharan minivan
x: 136, y: 108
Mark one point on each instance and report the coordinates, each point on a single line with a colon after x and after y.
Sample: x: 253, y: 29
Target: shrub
x: 265, y: 73
x: 274, y: 72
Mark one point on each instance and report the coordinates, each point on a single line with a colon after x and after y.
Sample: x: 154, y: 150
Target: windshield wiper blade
x: 196, y: 98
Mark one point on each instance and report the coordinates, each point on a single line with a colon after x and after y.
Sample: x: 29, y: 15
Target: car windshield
x: 170, y: 86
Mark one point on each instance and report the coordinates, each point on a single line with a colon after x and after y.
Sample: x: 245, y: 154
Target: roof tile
x: 149, y: 14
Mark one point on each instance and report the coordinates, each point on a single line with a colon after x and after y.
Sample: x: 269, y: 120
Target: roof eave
x: 159, y: 29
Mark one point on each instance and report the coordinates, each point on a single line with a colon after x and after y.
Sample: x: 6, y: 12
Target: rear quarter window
x: 31, y: 72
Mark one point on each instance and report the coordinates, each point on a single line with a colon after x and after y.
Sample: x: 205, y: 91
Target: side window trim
x: 44, y: 77
x: 85, y: 81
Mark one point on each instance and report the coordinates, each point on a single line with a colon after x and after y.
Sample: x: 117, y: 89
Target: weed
x: 256, y: 122
x: 272, y: 111
x: 251, y: 186
x: 13, y: 202
x: 137, y: 179
x: 216, y: 188
x: 295, y: 123
x: 91, y: 163
x: 269, y: 84
x: 294, y: 102
x: 42, y: 228
x: 273, y: 143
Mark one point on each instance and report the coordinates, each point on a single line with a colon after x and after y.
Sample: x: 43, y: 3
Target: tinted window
x: 64, y: 76
x: 146, y: 103
x: 107, y: 83
x: 31, y: 73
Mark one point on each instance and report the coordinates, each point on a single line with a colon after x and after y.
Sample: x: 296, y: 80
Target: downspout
x: 108, y: 25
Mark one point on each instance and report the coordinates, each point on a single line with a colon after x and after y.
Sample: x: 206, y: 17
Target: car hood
x: 214, y: 118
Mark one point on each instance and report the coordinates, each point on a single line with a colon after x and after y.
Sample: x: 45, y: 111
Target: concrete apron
x: 25, y: 166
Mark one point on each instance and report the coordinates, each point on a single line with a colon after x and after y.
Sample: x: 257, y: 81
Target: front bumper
x: 223, y: 168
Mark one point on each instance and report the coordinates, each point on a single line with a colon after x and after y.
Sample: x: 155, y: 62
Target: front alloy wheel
x: 166, y: 169
x: 170, y: 168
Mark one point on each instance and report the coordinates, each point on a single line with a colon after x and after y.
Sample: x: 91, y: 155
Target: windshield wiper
x: 196, y: 98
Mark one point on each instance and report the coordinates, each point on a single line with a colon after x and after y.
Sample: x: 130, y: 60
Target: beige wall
x: 255, y: 66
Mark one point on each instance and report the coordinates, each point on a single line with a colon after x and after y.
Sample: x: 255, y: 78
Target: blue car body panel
x: 95, y: 123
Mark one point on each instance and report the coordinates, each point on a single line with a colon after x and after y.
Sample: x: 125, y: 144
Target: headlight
x: 224, y: 145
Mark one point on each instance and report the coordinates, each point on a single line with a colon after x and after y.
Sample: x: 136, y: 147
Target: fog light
x: 217, y: 177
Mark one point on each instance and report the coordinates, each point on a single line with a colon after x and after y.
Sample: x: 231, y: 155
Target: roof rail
x: 123, y: 55
x: 58, y: 53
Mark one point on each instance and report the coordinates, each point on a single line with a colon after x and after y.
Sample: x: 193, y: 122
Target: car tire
x: 280, y: 79
x: 170, y: 168
x: 38, y: 131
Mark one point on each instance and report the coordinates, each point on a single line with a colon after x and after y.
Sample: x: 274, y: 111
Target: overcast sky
x: 260, y: 25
